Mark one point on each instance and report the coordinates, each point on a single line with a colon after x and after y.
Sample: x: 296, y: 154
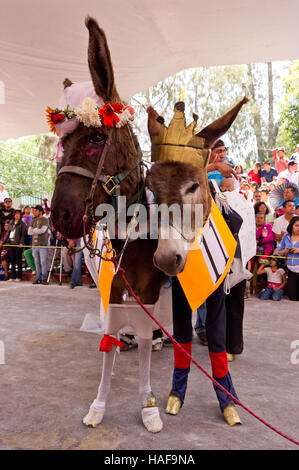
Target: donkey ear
x: 99, y: 61
x: 154, y: 122
x: 216, y: 129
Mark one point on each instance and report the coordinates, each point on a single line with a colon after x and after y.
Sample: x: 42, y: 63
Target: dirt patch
x: 51, y: 339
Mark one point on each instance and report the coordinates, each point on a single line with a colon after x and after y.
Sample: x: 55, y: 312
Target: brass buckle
x: 114, y: 185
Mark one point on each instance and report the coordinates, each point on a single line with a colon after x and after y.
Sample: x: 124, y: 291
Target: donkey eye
x: 192, y: 188
x: 97, y: 139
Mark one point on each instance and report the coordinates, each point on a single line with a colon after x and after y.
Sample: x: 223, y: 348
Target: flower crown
x: 109, y: 115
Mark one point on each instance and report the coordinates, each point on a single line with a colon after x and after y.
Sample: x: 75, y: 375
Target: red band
x: 219, y: 364
x: 107, y: 341
x: 181, y: 361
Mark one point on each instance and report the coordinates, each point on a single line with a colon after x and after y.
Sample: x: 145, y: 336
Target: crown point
x: 180, y: 106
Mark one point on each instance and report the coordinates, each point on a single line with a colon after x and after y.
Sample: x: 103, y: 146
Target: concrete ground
x: 51, y: 373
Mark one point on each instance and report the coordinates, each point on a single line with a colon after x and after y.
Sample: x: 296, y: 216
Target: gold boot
x: 173, y: 405
x: 230, y: 357
x: 231, y: 415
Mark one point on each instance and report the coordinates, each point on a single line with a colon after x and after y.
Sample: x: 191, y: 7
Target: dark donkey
x: 83, y: 168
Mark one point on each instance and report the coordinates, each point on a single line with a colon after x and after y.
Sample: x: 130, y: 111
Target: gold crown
x: 178, y: 142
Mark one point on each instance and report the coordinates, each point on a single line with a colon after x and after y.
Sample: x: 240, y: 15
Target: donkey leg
x: 150, y: 412
x: 216, y: 335
x: 96, y: 411
x: 182, y: 333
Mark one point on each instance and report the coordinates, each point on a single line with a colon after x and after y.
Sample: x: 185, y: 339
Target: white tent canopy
x: 42, y: 42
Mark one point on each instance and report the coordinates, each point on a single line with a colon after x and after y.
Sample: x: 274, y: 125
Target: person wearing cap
x: 281, y: 163
x: 39, y: 231
x: 7, y: 212
x: 218, y: 168
x: 289, y: 175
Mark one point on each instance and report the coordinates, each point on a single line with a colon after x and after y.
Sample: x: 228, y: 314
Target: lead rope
x: 132, y: 293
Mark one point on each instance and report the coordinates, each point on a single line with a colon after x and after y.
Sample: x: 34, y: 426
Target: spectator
x: 257, y: 197
x: 227, y: 185
x: 276, y: 280
x: 245, y: 187
x: 240, y: 172
x: 268, y: 174
x: 7, y: 212
x: 3, y: 193
x: 39, y: 231
x: 27, y: 217
x: 15, y: 236
x: 264, y: 236
x: 290, y: 247
x: 217, y: 168
x: 281, y: 223
x: 297, y: 210
x: 255, y: 174
x: 77, y: 263
x: 289, y: 175
x: 4, y: 250
x: 281, y: 163
x: 289, y: 194
x: 262, y: 207
x: 295, y: 156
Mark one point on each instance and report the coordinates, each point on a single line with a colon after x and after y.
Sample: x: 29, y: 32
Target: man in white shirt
x: 280, y: 224
x: 3, y: 193
x: 290, y: 174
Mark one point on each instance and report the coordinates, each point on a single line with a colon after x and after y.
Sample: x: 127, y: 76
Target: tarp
x: 44, y: 41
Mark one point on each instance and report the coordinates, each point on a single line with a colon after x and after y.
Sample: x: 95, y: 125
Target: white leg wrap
x: 151, y: 419
x: 96, y: 414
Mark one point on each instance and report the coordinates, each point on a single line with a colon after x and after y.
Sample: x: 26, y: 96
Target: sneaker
x: 167, y: 342
x: 44, y: 283
x: 11, y: 280
x: 157, y: 345
x: 37, y: 282
x: 72, y: 286
x: 18, y: 280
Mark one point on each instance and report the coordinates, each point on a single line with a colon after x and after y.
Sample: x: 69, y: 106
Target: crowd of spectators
x: 272, y: 188
x: 273, y: 191
x: 29, y: 243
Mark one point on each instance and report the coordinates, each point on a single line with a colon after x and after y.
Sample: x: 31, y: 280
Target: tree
x: 289, y: 131
x: 212, y: 91
x: 25, y: 165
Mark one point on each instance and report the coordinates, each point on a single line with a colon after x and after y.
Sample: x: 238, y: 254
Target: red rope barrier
x: 122, y: 272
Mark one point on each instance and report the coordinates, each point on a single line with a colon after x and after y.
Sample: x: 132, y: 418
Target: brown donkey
x: 83, y: 148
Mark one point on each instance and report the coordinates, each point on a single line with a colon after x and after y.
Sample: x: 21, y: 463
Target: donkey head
x: 181, y: 179
x: 83, y: 144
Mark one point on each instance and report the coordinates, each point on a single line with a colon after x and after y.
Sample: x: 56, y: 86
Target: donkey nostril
x: 178, y: 260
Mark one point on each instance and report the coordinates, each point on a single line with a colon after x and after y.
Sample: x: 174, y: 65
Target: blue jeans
x: 269, y: 293
x: 200, y: 325
x: 40, y: 256
x: 77, y: 267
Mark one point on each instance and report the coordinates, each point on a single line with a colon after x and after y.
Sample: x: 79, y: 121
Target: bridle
x: 111, y: 185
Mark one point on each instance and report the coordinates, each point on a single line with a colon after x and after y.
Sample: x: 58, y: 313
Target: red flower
x: 54, y: 117
x: 109, y: 113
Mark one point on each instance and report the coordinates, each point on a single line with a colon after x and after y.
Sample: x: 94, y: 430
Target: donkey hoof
x: 95, y: 415
x: 151, y: 419
x: 173, y: 405
x: 231, y: 415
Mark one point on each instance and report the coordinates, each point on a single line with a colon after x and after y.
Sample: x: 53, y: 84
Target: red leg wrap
x: 107, y: 341
x: 219, y: 364
x: 181, y: 361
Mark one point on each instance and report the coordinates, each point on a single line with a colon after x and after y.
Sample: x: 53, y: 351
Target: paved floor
x: 51, y: 373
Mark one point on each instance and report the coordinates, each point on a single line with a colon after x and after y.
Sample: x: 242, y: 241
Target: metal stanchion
x: 52, y: 263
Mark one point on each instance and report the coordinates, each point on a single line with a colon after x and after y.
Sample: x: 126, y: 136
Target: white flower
x: 124, y: 118
x: 87, y: 113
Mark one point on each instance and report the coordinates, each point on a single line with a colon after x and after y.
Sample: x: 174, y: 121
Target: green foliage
x: 25, y: 165
x: 289, y: 130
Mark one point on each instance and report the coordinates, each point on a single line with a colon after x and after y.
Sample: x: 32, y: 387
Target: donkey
x: 83, y: 148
